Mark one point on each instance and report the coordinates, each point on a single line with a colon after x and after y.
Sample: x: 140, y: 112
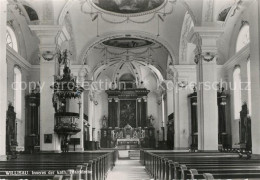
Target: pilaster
x: 47, y: 36
x: 255, y: 74
x: 205, y: 39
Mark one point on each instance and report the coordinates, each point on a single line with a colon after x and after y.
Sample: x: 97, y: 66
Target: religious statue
x: 143, y: 133
x: 135, y: 134
x: 120, y: 135
x: 104, y: 122
x: 113, y: 135
x: 150, y: 120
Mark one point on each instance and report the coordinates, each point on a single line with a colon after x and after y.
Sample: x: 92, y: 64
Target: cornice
x: 242, y: 55
x: 46, y: 29
x: 17, y: 58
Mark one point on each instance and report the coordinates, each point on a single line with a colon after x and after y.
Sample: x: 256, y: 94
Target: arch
x: 243, y: 37
x: 32, y: 14
x: 120, y: 34
x: 11, y: 39
x: 222, y: 16
x: 70, y: 3
x: 237, y: 91
x: 187, y: 25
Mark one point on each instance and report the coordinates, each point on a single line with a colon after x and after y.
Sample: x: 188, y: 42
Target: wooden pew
x: 169, y: 165
x: 87, y: 166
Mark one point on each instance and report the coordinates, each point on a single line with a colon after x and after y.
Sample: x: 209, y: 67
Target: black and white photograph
x: 129, y: 89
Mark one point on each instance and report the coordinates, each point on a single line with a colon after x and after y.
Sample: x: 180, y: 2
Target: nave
x: 151, y: 164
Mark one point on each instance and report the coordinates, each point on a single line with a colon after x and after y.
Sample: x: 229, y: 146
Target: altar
x: 127, y: 143
x: 127, y: 123
x: 127, y: 137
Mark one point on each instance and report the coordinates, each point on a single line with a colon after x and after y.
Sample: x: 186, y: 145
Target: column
x: 3, y: 76
x: 110, y: 112
x: 163, y: 117
x: 144, y: 111
x: 90, y: 114
x: 255, y: 74
x: 206, y: 52
x: 47, y: 34
x: 177, y: 143
x: 139, y: 121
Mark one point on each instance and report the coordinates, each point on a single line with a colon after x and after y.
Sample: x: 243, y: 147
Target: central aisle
x: 128, y: 170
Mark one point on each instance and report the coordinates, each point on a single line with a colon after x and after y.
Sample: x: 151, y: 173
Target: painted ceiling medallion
x: 128, y: 6
x: 127, y: 43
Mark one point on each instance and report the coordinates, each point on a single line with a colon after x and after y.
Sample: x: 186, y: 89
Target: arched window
x: 243, y: 37
x: 237, y: 92
x: 17, y: 92
x: 11, y: 40
x: 249, y: 87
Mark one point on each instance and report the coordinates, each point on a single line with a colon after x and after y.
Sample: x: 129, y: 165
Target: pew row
x: 76, y: 166
x: 202, y: 165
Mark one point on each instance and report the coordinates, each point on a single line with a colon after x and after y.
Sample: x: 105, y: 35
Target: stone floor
x: 128, y: 170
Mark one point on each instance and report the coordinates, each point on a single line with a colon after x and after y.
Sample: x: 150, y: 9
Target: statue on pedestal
x: 150, y: 121
x: 104, y: 122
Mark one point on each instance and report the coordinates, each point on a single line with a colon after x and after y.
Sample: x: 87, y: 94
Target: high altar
x: 127, y: 125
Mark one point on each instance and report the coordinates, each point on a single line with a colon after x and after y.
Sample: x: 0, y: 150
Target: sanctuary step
x: 134, y: 154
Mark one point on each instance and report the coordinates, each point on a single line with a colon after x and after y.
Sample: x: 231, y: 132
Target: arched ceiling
x: 161, y: 20
x: 113, y: 61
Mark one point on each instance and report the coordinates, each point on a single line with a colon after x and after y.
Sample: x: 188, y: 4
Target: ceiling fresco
x: 128, y: 6
x: 127, y: 43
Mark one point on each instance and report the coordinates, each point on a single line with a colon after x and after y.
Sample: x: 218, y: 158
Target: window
x: 243, y: 37
x: 11, y: 40
x: 18, y: 92
x: 249, y: 103
x: 237, y: 92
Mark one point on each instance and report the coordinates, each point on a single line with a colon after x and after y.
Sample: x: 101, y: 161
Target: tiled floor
x: 128, y: 170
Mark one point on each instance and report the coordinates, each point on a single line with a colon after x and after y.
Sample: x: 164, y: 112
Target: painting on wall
x: 47, y: 138
x: 127, y: 42
x: 128, y: 6
x: 127, y: 113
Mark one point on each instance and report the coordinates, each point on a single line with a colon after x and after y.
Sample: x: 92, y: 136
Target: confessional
x: 11, y: 131
x: 222, y: 131
x: 32, y: 123
x: 245, y: 135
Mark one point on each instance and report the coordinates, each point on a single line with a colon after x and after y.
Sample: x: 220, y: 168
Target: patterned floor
x: 128, y: 170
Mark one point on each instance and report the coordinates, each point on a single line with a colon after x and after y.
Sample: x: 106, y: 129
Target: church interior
x: 130, y: 89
